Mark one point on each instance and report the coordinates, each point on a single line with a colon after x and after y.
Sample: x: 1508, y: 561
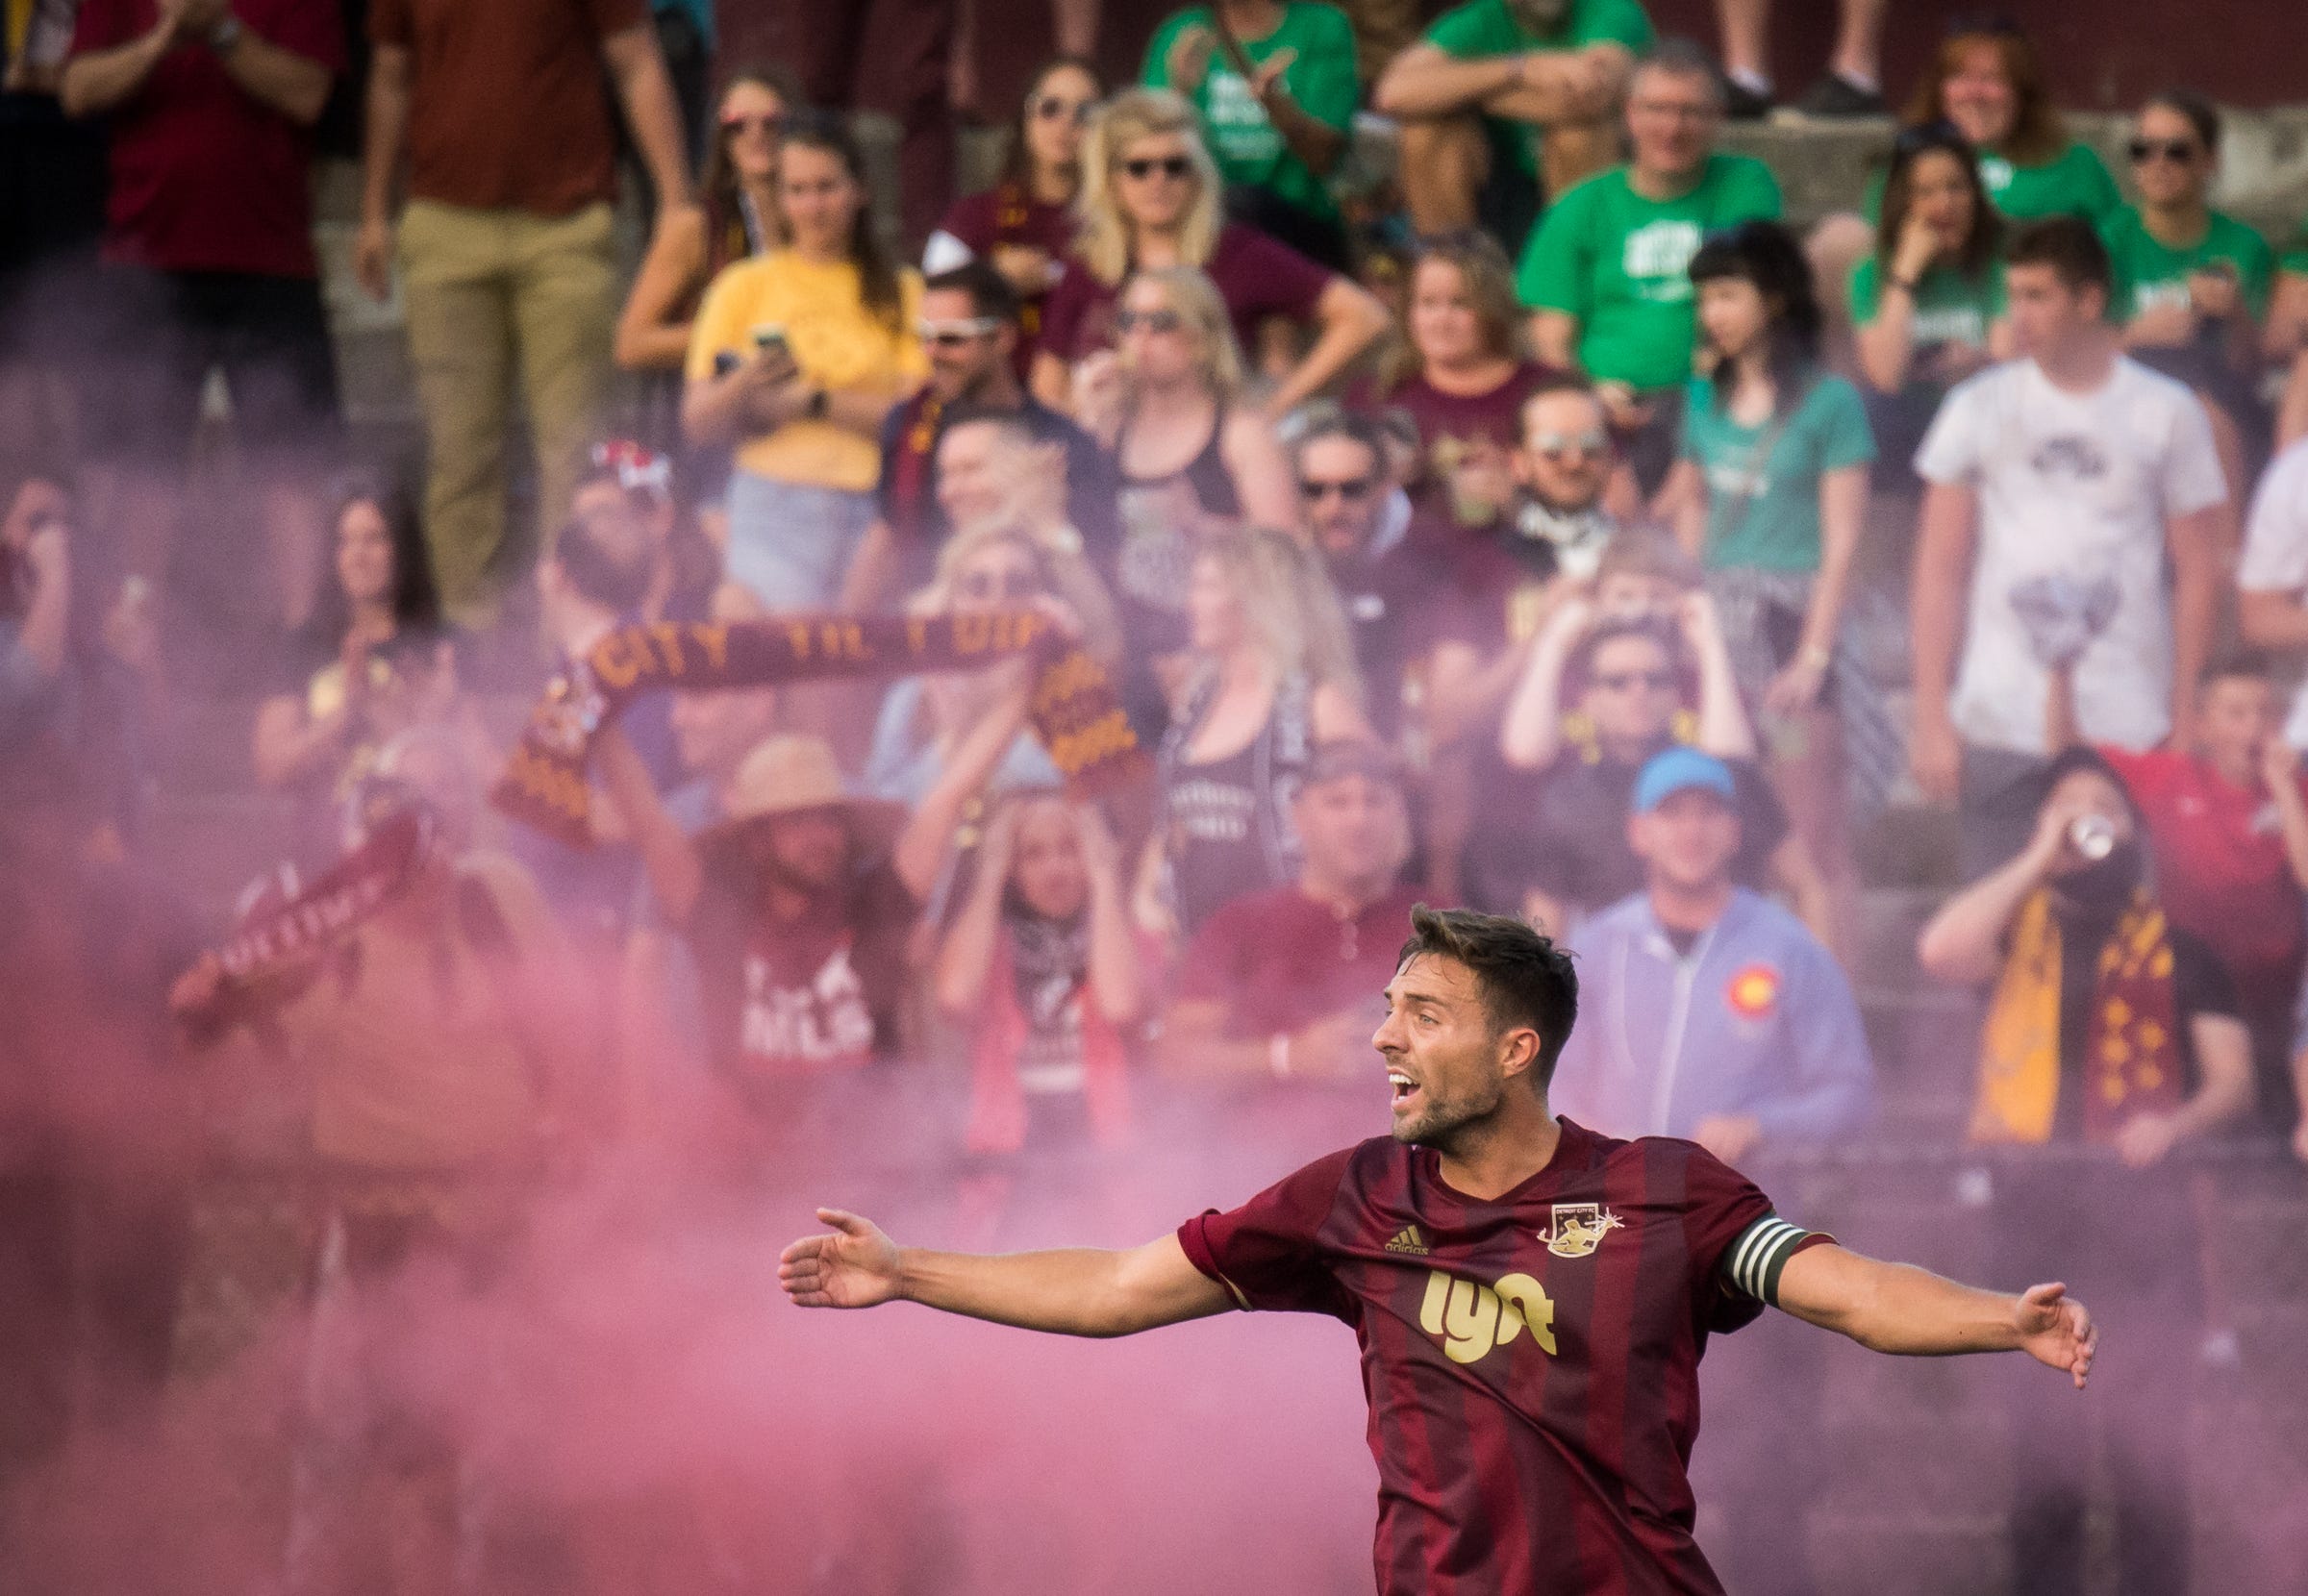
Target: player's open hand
x: 2057, y: 1330
x: 854, y: 1265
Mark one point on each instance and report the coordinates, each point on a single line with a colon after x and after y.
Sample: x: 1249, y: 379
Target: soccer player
x: 1531, y: 1298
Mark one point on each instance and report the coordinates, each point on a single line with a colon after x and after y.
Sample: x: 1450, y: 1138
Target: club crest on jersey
x: 1578, y: 1228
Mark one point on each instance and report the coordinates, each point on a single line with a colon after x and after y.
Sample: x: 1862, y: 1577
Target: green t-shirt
x: 1950, y: 307
x: 1243, y: 140
x: 1482, y: 29
x: 2071, y: 183
x: 1621, y: 265
x: 2150, y: 273
x: 2296, y: 253
x: 1775, y: 527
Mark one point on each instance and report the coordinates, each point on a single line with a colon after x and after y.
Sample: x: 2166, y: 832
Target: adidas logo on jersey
x: 1408, y: 1240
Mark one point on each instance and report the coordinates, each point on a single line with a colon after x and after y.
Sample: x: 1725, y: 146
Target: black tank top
x: 1154, y: 559
x: 1226, y: 824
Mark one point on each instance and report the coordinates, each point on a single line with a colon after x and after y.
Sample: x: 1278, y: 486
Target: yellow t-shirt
x: 834, y: 342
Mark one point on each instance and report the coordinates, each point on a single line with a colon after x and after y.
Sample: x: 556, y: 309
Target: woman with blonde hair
x: 1152, y: 198
x: 1274, y: 676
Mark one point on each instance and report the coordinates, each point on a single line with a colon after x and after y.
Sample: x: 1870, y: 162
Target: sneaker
x: 1836, y: 99
x: 1741, y: 104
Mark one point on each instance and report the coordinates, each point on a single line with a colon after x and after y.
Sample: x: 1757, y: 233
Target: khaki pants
x: 487, y: 291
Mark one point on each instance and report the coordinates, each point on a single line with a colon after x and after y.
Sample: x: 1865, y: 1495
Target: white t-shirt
x: 2276, y: 550
x: 2080, y: 484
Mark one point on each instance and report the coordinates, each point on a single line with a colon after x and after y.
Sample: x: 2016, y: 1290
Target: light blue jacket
x: 1756, y: 1019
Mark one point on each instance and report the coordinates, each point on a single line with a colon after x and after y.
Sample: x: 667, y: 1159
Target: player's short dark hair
x: 1523, y: 976
x: 990, y: 291
x: 2069, y: 245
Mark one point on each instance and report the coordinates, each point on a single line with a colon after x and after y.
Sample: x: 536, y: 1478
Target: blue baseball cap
x: 1680, y: 769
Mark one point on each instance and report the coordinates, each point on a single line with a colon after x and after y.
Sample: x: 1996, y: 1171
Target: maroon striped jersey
x: 1532, y: 1362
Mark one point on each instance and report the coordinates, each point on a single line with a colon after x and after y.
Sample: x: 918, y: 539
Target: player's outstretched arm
x: 1897, y: 1308
x: 1075, y: 1292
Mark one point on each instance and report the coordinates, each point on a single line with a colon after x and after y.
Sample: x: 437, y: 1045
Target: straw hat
x: 789, y: 773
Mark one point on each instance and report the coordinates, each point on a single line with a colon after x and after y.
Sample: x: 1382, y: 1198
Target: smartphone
x: 726, y: 361
x: 770, y: 339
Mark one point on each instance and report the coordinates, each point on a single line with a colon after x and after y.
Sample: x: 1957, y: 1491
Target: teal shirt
x: 1620, y: 264
x: 1243, y: 140
x: 1773, y: 527
x: 2150, y: 273
x: 1486, y: 28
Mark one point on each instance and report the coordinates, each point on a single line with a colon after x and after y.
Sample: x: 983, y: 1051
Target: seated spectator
x: 2227, y: 829
x: 1606, y: 275
x: 2072, y: 462
x: 1274, y: 81
x: 208, y: 266
x: 1988, y: 81
x: 1341, y: 461
x: 2108, y: 1027
x: 740, y: 219
x: 631, y: 487
x: 1466, y: 397
x: 1044, y: 971
x: 1772, y: 495
x: 1766, y: 1053
x: 1638, y: 685
x: 1273, y: 679
x: 797, y: 359
x: 1851, y: 86
x: 1025, y: 224
x: 370, y: 664
x: 1190, y: 455
x: 1280, y: 983
x: 1151, y: 200
x: 1526, y: 88
x: 1927, y: 304
x: 969, y: 332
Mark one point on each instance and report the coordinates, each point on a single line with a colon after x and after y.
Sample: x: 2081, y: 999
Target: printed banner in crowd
x: 1073, y: 710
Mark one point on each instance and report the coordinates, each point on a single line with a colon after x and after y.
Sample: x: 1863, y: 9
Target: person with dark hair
x: 969, y: 331
x: 1986, y: 79
x: 1340, y: 458
x: 1606, y: 274
x: 797, y: 359
x: 1772, y: 495
x: 1025, y: 224
x: 2108, y: 1028
x: 508, y: 266
x: 1927, y: 304
x: 1275, y: 82
x: 739, y: 218
x: 1531, y: 1299
x: 631, y: 488
x: 2074, y: 513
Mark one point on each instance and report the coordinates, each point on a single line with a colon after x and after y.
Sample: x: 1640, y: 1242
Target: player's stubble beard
x: 1444, y: 1115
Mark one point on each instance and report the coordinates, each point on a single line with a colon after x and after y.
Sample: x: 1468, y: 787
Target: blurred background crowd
x: 1868, y: 630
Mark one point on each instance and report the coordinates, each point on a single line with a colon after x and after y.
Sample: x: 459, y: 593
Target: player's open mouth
x: 1405, y: 1088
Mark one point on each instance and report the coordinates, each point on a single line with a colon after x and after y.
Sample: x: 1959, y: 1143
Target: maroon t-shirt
x: 1007, y: 214
x: 1255, y: 275
x: 1449, y: 424
x: 1279, y: 960
x: 205, y: 177
x: 1531, y: 1362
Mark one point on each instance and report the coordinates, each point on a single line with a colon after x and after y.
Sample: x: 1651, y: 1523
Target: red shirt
x: 1257, y: 276
x: 1279, y: 960
x: 1531, y: 1362
x: 1007, y: 214
x: 2220, y: 869
x: 1450, y: 424
x: 205, y: 177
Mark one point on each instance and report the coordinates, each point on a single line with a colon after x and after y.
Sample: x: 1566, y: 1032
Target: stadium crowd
x: 1424, y: 436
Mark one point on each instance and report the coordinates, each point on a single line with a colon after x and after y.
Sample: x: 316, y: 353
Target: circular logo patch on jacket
x: 1753, y: 992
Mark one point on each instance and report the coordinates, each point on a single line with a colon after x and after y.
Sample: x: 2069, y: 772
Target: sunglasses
x: 1177, y: 167
x: 991, y: 586
x: 2179, y: 151
x: 1353, y: 490
x: 1126, y: 322
x: 771, y: 123
x: 1555, y: 445
x: 1621, y: 681
x: 952, y: 334
x: 1050, y: 108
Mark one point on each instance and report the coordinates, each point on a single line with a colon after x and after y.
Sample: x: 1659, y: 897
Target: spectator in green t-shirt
x: 1535, y: 80
x: 1605, y: 276
x: 1274, y: 83
x: 1771, y: 491
x: 1927, y: 305
x: 2286, y: 336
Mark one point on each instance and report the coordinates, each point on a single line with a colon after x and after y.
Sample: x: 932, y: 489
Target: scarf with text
x: 1073, y: 709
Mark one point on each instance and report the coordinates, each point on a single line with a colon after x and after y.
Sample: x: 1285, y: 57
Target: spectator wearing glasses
x: 1927, y: 303
x: 1151, y: 200
x: 1025, y: 224
x: 1275, y: 82
x: 740, y: 219
x: 969, y: 331
x: 1606, y: 274
x: 1341, y: 461
x: 1518, y: 91
x: 798, y: 358
x: 631, y: 488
